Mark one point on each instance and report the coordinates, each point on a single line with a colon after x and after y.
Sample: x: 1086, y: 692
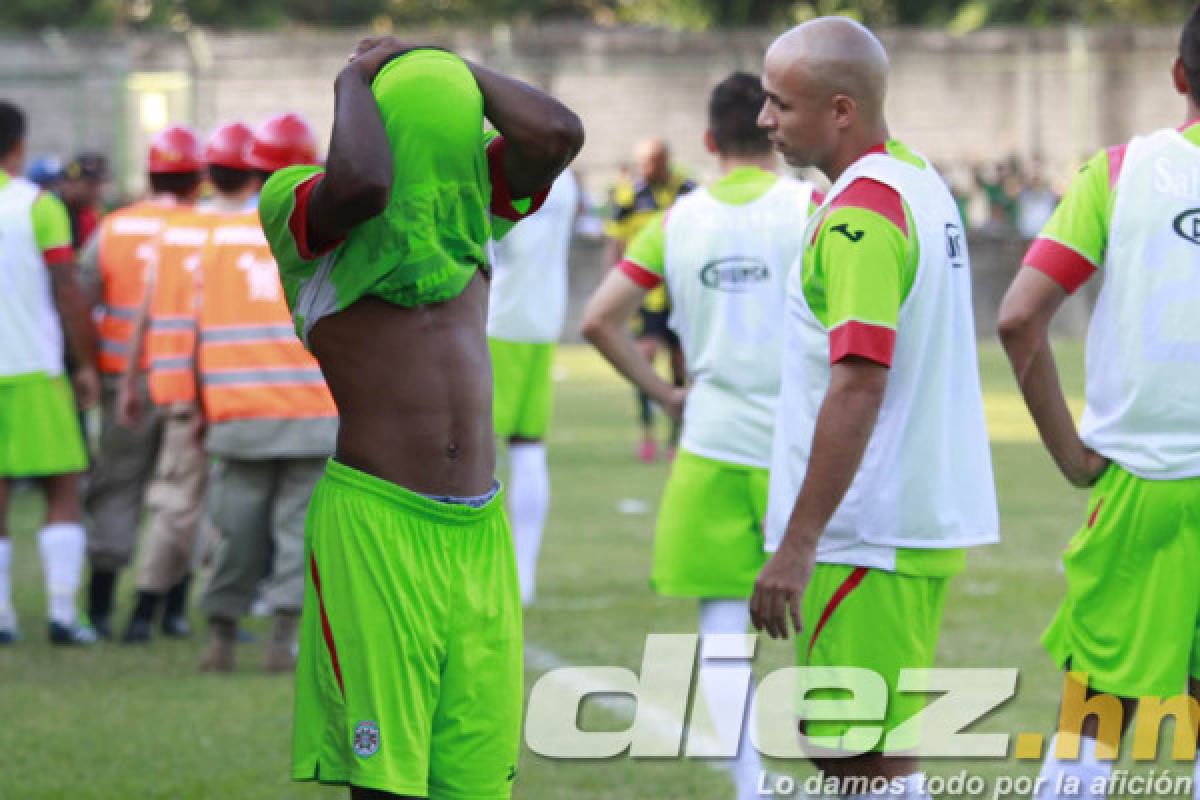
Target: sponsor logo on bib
x: 1187, y: 225
x: 736, y: 274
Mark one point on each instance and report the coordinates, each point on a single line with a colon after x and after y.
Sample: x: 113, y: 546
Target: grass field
x: 116, y: 722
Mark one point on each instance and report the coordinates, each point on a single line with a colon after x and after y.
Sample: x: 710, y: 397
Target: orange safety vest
x: 171, y: 332
x: 127, y: 252
x: 251, y: 363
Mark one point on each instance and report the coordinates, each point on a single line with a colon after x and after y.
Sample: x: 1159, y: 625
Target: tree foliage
x: 961, y: 15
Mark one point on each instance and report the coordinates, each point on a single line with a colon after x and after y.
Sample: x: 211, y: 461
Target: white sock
x: 727, y: 685
x: 913, y: 789
x: 62, y: 546
x: 1073, y: 779
x: 528, y: 502
x: 8, y: 620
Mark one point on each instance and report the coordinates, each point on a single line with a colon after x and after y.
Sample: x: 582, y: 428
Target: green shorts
x: 708, y: 541
x: 1131, y: 617
x: 871, y: 619
x: 409, y: 678
x: 39, y: 427
x: 524, y: 394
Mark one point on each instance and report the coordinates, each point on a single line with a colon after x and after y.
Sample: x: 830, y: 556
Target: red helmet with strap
x: 282, y: 141
x: 227, y: 146
x: 175, y: 149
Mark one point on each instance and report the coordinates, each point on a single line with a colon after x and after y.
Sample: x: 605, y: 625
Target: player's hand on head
x: 373, y: 52
x: 779, y: 592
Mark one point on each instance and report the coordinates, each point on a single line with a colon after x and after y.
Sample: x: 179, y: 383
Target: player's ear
x: 710, y: 141
x: 1180, y: 76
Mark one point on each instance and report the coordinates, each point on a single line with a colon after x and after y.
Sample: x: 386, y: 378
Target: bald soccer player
x: 409, y: 680
x: 880, y: 472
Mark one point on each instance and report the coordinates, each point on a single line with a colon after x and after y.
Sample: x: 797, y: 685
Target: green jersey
x: 449, y: 195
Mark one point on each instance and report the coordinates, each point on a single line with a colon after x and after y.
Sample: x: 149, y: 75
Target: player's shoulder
x: 867, y: 199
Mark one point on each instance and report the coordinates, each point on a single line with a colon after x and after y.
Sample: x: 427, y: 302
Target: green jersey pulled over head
x: 443, y: 207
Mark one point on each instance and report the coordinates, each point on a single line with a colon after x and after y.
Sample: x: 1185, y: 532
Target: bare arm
x: 77, y: 326
x: 1024, y: 327
x: 358, y: 169
x: 541, y: 135
x: 844, y: 425
x: 129, y: 408
x: 604, y: 325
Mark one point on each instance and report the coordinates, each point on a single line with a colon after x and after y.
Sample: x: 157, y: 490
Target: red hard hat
x: 227, y: 146
x: 282, y: 141
x: 174, y: 150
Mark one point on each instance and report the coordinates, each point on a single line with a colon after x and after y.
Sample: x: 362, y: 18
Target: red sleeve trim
x: 1067, y: 268
x: 639, y: 274
x: 818, y: 198
x: 874, y: 196
x: 502, y: 199
x: 298, y: 221
x: 854, y: 338
x: 58, y: 255
x: 1116, y: 157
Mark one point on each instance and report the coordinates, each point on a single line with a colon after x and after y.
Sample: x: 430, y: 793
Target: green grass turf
x: 118, y: 722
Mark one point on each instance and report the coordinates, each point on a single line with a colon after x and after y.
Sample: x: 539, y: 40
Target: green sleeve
x: 279, y: 212
x: 862, y: 269
x: 51, y: 225
x: 1081, y: 220
x: 648, y: 248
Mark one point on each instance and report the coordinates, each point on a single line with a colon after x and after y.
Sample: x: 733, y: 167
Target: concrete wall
x: 1060, y: 94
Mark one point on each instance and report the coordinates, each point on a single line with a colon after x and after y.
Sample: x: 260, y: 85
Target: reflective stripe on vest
x: 251, y: 364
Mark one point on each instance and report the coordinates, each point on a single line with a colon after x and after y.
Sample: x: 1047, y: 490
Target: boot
x: 175, y: 621
x: 218, y: 655
x: 100, y: 597
x: 281, y: 649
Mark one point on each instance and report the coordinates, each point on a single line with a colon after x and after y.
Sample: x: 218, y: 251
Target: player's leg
x: 727, y: 685
x: 884, y: 622
x: 523, y: 399
x: 8, y: 617
x: 477, y: 723
x: 240, y: 503
x: 1120, y: 621
x: 63, y: 544
x: 377, y: 602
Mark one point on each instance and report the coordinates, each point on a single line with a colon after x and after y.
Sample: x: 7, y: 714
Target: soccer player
x: 40, y: 438
x: 526, y: 308
x: 1129, y: 619
x: 634, y: 204
x: 880, y: 469
x: 409, y: 680
x: 723, y: 253
x: 114, y: 267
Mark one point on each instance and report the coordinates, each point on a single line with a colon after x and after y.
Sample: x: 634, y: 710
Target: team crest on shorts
x: 366, y: 738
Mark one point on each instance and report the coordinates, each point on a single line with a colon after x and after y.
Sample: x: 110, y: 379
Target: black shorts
x: 653, y: 324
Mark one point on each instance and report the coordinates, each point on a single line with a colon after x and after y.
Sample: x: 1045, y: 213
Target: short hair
x: 230, y: 179
x: 12, y: 127
x: 179, y: 184
x: 1189, y: 52
x: 733, y: 109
